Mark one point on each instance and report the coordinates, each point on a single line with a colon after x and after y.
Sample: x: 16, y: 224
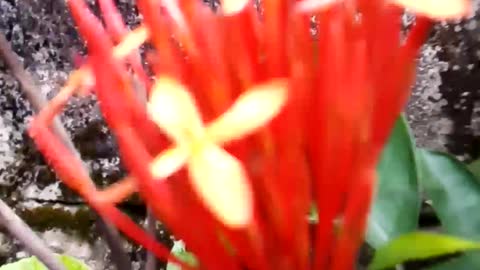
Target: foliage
x: 397, y: 202
x: 179, y: 251
x: 455, y: 196
x: 32, y: 263
x: 454, y: 192
x: 416, y: 246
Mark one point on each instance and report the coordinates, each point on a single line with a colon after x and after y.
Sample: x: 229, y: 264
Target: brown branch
x: 30, y: 89
x: 119, y: 257
x: 151, y: 262
x: 32, y: 243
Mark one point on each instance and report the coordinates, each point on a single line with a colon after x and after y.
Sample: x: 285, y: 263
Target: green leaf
x: 455, y: 196
x: 32, y: 263
x: 418, y: 246
x: 183, y: 255
x: 474, y: 168
x: 397, y: 203
x: 24, y: 264
x: 72, y: 263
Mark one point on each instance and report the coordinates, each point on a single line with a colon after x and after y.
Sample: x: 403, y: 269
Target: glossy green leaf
x: 397, y: 202
x: 24, y: 264
x: 418, y: 246
x: 182, y: 254
x: 72, y: 263
x: 32, y: 263
x: 474, y: 167
x: 455, y: 196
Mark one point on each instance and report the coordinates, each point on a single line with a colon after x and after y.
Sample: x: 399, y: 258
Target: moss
x: 43, y: 218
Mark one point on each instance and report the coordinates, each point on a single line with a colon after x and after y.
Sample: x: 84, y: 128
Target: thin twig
x: 32, y: 92
x: 151, y: 262
x: 38, y: 102
x: 32, y: 243
x: 113, y: 240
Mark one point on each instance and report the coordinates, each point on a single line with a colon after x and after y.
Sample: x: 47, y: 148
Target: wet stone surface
x: 444, y: 112
x: 42, y: 33
x: 444, y: 108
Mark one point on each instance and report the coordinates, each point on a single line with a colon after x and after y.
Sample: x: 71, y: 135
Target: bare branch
x: 151, y: 263
x: 119, y: 257
x: 32, y: 243
x: 32, y: 92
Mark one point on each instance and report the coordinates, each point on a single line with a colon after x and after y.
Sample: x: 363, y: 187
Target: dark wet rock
x: 42, y: 34
x: 443, y: 110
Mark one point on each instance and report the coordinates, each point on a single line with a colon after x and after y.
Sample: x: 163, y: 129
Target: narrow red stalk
x: 302, y: 61
x: 276, y: 13
x: 303, y: 64
x: 117, y: 29
x: 158, y: 25
x: 354, y: 223
x: 386, y: 40
x: 285, y: 166
x: 249, y: 247
x: 394, y: 85
x: 359, y: 117
x: 328, y: 185
x: 242, y: 44
x: 292, y: 173
x: 113, y: 19
x: 215, y: 86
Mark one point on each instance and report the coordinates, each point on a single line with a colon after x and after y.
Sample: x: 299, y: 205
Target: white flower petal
x: 173, y: 109
x: 438, y: 9
x: 233, y: 6
x: 314, y: 5
x: 131, y: 42
x: 169, y: 161
x: 253, y: 109
x: 222, y: 184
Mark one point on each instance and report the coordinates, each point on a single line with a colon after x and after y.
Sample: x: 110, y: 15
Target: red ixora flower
x: 248, y: 122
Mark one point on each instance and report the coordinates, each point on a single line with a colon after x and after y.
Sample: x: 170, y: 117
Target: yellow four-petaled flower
x: 218, y: 178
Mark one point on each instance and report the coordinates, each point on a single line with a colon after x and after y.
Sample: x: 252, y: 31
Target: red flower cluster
x: 249, y: 121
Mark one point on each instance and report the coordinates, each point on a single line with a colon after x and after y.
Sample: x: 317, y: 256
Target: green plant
x: 32, y: 263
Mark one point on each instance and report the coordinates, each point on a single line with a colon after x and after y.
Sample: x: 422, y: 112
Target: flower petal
x: 253, y: 109
x: 168, y: 162
x: 438, y: 9
x: 233, y: 6
x: 132, y: 41
x: 173, y: 109
x: 222, y: 184
x: 314, y: 5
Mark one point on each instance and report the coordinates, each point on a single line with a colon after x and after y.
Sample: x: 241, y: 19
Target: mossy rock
x: 79, y: 221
